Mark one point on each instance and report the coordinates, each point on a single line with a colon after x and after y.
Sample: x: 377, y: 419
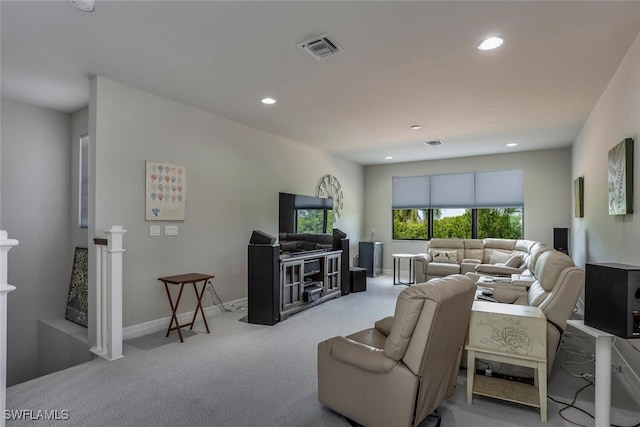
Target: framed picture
x: 578, y: 197
x: 166, y: 189
x: 77, y: 301
x: 620, y: 184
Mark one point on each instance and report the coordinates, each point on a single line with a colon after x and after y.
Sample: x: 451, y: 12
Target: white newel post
x: 109, y: 294
x: 114, y: 291
x: 5, y: 246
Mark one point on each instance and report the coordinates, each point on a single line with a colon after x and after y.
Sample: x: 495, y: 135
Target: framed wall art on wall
x: 620, y: 185
x: 166, y: 189
x: 578, y: 197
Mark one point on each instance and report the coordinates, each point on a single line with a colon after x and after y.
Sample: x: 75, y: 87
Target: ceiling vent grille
x: 433, y: 143
x: 321, y: 47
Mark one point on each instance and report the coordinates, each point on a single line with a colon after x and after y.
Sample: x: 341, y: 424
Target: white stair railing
x: 5, y: 246
x: 108, y: 316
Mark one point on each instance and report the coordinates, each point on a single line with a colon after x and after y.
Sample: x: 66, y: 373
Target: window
x: 464, y: 205
x: 449, y: 223
x: 500, y: 222
x: 83, y: 196
x: 410, y: 224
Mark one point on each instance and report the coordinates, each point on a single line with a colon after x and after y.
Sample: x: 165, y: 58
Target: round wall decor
x: 329, y: 188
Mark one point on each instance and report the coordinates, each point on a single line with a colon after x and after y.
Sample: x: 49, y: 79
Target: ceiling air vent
x: 433, y: 143
x: 321, y: 47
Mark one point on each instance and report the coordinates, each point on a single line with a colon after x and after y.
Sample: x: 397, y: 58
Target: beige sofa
x: 483, y: 256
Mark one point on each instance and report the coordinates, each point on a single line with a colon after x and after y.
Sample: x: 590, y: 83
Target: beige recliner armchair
x: 400, y: 371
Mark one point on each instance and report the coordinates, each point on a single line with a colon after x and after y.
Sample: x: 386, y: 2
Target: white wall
x: 599, y: 237
x: 35, y: 210
x: 234, y: 175
x: 547, y: 189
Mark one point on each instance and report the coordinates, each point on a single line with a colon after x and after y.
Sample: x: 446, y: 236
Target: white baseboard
x: 162, y: 324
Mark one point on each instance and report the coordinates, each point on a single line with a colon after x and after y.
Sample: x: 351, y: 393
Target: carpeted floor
x: 252, y: 375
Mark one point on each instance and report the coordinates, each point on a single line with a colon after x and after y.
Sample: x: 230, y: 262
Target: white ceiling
x: 404, y: 63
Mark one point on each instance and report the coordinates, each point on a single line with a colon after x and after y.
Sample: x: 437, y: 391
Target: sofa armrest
x: 509, y: 296
x: 360, y: 355
x: 384, y: 325
x: 493, y: 269
x: 423, y: 257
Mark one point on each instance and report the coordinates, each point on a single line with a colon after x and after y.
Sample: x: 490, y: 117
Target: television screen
x: 314, y: 221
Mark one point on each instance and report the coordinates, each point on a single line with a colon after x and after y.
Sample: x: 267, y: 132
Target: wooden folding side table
x: 181, y: 280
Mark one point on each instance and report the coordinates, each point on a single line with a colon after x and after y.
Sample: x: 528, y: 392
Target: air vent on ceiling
x: 433, y: 143
x: 321, y: 47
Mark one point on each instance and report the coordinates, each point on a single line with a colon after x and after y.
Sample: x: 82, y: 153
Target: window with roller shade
x: 465, y: 205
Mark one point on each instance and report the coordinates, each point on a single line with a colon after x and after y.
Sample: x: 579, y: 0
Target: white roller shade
x: 498, y: 189
x: 409, y: 192
x: 452, y: 191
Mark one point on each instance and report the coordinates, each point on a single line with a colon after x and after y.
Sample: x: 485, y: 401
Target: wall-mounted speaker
x: 612, y: 299
x: 261, y: 238
x: 561, y: 240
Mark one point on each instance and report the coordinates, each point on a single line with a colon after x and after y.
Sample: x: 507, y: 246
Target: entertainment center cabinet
x: 281, y: 285
x: 309, y: 279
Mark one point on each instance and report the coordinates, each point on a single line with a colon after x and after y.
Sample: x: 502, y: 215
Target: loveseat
x: 498, y: 257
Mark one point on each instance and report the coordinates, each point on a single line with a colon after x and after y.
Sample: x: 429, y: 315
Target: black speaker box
x: 612, y: 299
x: 261, y: 238
x: 561, y: 240
x: 264, y: 285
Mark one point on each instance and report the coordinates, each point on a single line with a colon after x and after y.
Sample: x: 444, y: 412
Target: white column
x: 5, y: 246
x: 114, y: 291
x: 101, y: 308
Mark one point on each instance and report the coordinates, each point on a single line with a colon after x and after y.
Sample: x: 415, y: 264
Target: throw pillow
x: 515, y: 261
x: 498, y: 257
x: 445, y: 256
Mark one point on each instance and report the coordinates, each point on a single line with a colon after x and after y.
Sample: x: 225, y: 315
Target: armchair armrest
x: 360, y: 355
x: 384, y: 325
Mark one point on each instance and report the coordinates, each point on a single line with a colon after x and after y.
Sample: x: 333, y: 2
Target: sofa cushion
x: 440, y: 255
x: 443, y: 268
x: 514, y: 261
x: 499, y: 257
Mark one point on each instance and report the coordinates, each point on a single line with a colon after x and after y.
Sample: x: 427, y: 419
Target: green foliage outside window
x: 412, y: 224
x: 504, y: 223
x: 452, y: 226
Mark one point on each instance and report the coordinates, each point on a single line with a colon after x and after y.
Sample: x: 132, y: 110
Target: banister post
x: 114, y: 291
x: 5, y: 246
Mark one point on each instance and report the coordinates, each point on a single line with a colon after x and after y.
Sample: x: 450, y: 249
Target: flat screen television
x: 305, y: 214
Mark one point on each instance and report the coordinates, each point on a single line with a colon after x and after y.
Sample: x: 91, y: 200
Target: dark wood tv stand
x: 282, y: 285
x: 308, y: 279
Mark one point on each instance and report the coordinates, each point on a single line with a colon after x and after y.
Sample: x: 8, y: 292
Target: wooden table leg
x: 199, y: 306
x: 174, y: 309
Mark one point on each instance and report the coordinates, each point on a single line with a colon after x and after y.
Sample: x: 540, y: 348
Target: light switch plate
x: 170, y: 230
x: 154, y: 230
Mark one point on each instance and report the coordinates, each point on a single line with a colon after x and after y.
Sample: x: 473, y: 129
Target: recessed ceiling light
x: 268, y: 101
x: 84, y: 5
x: 490, y: 43
x: 512, y: 144
x: 388, y: 157
x: 415, y: 127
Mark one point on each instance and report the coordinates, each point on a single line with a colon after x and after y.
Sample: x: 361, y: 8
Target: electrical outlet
x: 170, y: 230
